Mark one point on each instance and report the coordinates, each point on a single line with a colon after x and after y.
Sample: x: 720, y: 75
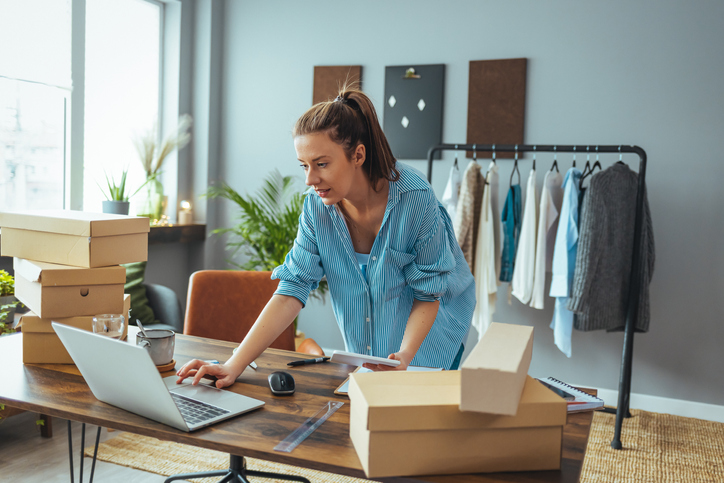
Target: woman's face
x: 327, y: 169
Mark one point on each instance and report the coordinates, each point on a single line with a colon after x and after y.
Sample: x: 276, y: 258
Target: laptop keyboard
x: 194, y: 411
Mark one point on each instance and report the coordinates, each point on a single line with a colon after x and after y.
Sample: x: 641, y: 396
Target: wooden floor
x: 26, y: 457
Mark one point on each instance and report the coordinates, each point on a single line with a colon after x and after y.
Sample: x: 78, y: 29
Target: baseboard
x: 656, y: 404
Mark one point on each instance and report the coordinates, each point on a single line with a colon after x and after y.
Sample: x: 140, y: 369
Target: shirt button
x: 368, y: 319
x: 374, y: 258
x: 369, y: 348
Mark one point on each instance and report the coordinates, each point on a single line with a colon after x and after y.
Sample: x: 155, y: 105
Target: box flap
x: 499, y: 349
x: 409, y: 401
x: 494, y: 373
x: 53, y: 275
x: 77, y: 223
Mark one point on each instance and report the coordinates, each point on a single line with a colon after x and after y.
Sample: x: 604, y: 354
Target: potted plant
x: 8, y: 302
x: 152, y: 156
x: 267, y: 224
x: 116, y: 196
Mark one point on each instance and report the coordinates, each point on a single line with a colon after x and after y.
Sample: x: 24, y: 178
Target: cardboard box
x: 74, y: 237
x: 494, y: 373
x: 51, y: 290
x: 42, y: 346
x: 409, y: 423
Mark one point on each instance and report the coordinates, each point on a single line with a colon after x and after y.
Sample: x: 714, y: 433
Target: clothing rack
x: 624, y: 385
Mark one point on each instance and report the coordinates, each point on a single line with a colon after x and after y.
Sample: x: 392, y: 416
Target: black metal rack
x: 624, y: 385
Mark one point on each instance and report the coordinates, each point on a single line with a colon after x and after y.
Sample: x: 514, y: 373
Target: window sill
x: 177, y: 234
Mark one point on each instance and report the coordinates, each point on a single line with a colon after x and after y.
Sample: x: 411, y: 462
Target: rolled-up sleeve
x: 302, y: 269
x: 428, y: 272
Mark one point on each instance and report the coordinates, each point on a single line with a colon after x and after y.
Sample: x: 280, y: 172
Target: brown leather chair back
x: 224, y: 304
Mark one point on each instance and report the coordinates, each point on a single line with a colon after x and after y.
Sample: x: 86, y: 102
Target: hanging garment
x: 600, y: 292
x: 452, y: 191
x: 564, y: 262
x: 486, y: 255
x: 467, y: 215
x: 525, y: 256
x: 550, y: 206
x: 511, y: 223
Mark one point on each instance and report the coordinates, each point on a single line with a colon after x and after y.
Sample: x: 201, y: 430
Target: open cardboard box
x: 495, y: 371
x: 75, y: 238
x: 410, y: 423
x: 41, y: 345
x: 51, y: 290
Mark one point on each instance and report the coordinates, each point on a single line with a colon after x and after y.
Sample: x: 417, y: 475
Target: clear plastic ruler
x: 308, y: 427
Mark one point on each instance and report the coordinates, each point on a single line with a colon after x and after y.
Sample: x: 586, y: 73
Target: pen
x: 308, y: 361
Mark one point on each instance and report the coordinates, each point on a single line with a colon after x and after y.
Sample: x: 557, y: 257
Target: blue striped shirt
x: 414, y: 256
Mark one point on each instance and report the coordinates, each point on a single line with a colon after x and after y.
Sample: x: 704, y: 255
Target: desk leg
x: 82, y: 449
x: 46, y: 430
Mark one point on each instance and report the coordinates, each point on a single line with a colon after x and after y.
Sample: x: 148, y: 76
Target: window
x: 122, y: 79
x: 121, y: 49
x: 35, y: 84
x: 32, y: 145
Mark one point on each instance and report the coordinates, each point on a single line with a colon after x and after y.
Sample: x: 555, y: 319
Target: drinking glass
x: 109, y: 325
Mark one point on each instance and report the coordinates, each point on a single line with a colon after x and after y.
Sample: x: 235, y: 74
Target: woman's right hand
x: 221, y: 373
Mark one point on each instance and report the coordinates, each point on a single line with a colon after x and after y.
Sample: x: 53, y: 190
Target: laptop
x: 123, y: 375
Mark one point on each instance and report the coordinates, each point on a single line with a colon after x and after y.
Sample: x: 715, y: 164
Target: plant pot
x: 116, y: 207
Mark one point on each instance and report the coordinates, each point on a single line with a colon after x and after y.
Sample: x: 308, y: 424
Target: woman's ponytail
x: 350, y: 119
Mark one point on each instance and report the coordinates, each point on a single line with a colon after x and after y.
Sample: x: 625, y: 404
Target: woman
x: 399, y: 284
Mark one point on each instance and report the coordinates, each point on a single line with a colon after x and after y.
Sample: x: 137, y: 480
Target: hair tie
x: 339, y: 99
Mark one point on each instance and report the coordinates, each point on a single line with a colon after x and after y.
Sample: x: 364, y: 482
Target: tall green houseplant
x: 267, y: 223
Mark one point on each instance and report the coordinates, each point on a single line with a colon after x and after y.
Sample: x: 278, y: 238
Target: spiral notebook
x: 577, y: 399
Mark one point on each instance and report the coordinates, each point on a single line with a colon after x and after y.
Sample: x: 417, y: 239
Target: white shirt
x: 452, y: 190
x: 524, y: 272
x: 487, y: 257
x: 550, y: 207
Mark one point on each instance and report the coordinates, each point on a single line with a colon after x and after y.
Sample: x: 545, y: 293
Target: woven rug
x: 658, y: 448
x: 167, y: 458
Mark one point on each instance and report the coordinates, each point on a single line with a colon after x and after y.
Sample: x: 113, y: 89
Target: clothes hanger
x: 475, y: 153
x: 515, y: 167
x: 494, y: 154
x: 589, y: 171
x: 455, y: 163
x: 620, y: 156
x: 534, y: 153
x: 555, y: 159
x: 588, y: 162
x: 574, y: 156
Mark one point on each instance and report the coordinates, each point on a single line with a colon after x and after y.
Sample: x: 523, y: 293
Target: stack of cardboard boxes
x: 490, y: 416
x: 67, y: 270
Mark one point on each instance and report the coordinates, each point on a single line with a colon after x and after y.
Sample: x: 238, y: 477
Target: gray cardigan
x: 600, y: 292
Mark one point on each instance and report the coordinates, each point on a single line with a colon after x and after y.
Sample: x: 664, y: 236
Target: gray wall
x: 615, y: 72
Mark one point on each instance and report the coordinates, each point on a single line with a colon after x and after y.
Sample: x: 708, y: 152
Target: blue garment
x: 511, y: 221
x: 414, y: 256
x: 363, y: 259
x: 564, y: 261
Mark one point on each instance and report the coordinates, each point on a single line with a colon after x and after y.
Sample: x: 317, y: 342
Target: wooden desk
x: 59, y: 390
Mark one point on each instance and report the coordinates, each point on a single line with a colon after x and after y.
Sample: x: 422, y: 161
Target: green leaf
x: 266, y: 224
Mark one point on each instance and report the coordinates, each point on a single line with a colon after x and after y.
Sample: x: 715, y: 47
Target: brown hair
x: 350, y: 120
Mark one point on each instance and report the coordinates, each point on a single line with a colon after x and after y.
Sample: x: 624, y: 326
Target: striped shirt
x: 414, y: 256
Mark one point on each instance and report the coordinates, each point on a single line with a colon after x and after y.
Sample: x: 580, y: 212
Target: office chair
x: 224, y: 304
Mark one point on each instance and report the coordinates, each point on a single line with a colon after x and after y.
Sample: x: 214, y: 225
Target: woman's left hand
x: 398, y: 356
